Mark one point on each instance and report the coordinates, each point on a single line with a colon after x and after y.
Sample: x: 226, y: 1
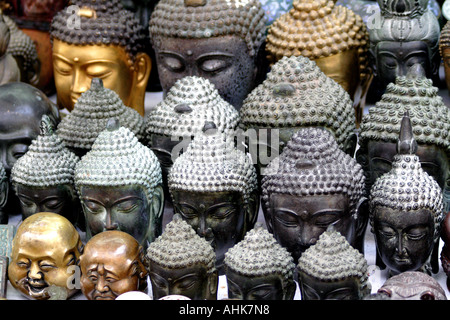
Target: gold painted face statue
x: 444, y: 49
x: 107, y: 47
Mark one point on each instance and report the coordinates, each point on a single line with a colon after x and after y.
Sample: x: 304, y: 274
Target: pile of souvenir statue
x: 277, y: 149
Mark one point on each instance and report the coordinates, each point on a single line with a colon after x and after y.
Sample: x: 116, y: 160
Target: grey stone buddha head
x: 120, y: 186
x: 331, y: 269
x: 259, y: 268
x: 311, y: 185
x: 180, y: 262
x: 43, y: 179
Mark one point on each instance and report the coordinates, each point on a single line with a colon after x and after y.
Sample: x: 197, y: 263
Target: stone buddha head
x: 406, y: 210
x: 295, y: 94
x: 91, y: 113
x: 43, y: 179
x: 180, y: 262
x: 333, y: 36
x: 444, y: 49
x: 408, y: 33
x: 214, y: 39
x: 412, y: 285
x: 112, y: 263
x: 99, y: 39
x: 9, y: 71
x: 119, y: 185
x: 331, y: 269
x: 214, y: 188
x: 430, y: 119
x: 45, y: 248
x: 310, y: 186
x: 258, y: 268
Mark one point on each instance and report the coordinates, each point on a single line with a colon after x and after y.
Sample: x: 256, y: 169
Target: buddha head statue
x: 45, y: 247
x: 182, y: 263
x: 100, y: 39
x: 310, y: 186
x: 43, y: 179
x: 112, y: 263
x: 4, y: 189
x: 258, y: 268
x: 91, y: 113
x: 430, y: 119
x: 412, y: 285
x: 444, y: 49
x: 406, y: 209
x: 408, y: 33
x: 333, y: 36
x: 332, y: 269
x: 213, y: 186
x: 119, y: 185
x: 445, y: 252
x: 214, y: 39
x: 9, y: 71
x: 296, y: 94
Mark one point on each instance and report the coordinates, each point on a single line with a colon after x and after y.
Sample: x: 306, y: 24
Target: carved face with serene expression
x: 313, y: 289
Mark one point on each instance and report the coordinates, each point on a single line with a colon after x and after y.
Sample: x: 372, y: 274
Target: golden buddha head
x: 106, y: 44
x: 444, y: 49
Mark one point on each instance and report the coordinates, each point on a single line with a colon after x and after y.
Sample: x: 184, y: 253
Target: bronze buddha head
x: 180, y: 262
x: 444, y: 49
x: 258, y: 268
x: 310, y: 186
x: 119, y: 185
x: 214, y: 39
x: 112, y: 263
x: 106, y: 43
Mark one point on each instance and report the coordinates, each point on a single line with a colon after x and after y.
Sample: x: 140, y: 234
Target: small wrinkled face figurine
x: 295, y: 94
x: 408, y: 34
x: 181, y: 263
x: 214, y: 39
x: 331, y: 269
x: 406, y: 210
x: 312, y: 185
x: 333, y: 36
x: 258, y: 268
x: 119, y: 185
x: 412, y: 285
x: 45, y: 247
x: 106, y: 44
x: 112, y: 263
x: 43, y: 178
x: 214, y: 188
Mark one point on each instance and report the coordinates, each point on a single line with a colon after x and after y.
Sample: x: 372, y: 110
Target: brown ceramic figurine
x: 214, y: 39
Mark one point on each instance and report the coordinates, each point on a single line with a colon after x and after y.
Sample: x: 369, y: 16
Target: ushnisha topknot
x: 92, y: 111
x: 312, y: 164
x: 258, y: 255
x: 47, y: 163
x: 211, y: 163
x: 296, y: 93
x: 444, y: 39
x: 180, y: 246
x: 190, y: 103
x: 209, y: 18
x: 101, y: 22
x: 332, y: 258
x: 117, y: 158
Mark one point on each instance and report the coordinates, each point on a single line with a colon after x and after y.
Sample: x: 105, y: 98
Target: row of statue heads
x: 226, y: 138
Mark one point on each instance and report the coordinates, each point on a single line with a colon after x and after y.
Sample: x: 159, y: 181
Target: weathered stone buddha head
x: 214, y: 188
x: 406, y: 210
x: 310, y: 186
x: 430, y: 119
x: 112, y: 263
x: 99, y: 40
x: 412, y: 285
x: 296, y: 94
x: 333, y: 36
x: 408, y: 33
x: 444, y: 49
x: 331, y: 269
x: 45, y: 249
x: 180, y: 262
x: 43, y: 178
x: 258, y: 268
x: 9, y: 69
x: 119, y: 185
x: 214, y: 39
x: 95, y: 107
